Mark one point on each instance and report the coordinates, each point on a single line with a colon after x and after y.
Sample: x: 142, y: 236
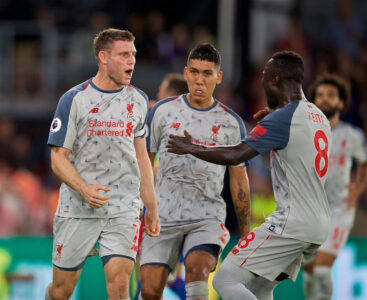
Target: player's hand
x: 151, y: 221
x: 91, y: 195
x: 352, y: 197
x: 179, y: 144
x: 261, y: 114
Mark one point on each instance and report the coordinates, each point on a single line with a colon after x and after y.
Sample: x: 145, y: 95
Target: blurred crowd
x: 28, y: 190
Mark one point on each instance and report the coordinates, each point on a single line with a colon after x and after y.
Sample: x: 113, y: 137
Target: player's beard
x: 330, y: 111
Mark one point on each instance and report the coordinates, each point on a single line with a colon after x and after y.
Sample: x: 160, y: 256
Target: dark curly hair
x: 335, y: 80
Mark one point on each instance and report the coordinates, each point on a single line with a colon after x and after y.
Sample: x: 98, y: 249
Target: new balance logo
x: 175, y: 125
x: 94, y: 110
x: 257, y: 132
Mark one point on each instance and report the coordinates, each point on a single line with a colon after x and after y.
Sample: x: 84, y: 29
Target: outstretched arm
x: 225, y: 155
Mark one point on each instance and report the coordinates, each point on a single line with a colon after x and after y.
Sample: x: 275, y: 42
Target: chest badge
x: 129, y: 108
x: 215, y: 130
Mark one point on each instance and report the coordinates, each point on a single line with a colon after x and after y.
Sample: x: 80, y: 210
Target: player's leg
x: 73, y: 241
x: 322, y: 274
x: 309, y: 281
x: 203, y: 242
x: 153, y: 281
x: 159, y: 256
x: 118, y: 271
x: 118, y: 245
x: 63, y: 284
x: 325, y: 258
x: 199, y: 262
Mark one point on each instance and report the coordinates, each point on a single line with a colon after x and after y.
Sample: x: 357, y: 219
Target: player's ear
x: 219, y: 77
x: 275, y: 79
x: 103, y: 57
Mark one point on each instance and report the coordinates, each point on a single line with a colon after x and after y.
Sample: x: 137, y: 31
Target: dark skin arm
x: 232, y: 155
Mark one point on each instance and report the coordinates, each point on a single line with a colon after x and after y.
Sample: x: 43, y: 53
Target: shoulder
x: 139, y: 94
x: 68, y: 97
x: 162, y: 104
x: 229, y: 113
x: 282, y: 115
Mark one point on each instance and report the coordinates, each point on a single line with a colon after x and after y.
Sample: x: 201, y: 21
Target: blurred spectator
x: 12, y: 203
x: 345, y: 31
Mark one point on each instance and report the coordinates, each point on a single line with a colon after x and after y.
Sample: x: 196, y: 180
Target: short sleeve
x: 141, y: 129
x: 63, y: 126
x: 273, y: 131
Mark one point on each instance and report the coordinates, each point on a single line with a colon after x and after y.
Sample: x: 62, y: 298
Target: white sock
x: 309, y: 285
x: 323, y: 282
x: 197, y: 290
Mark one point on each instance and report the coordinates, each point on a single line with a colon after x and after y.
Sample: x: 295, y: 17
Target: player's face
x: 202, y: 76
x: 269, y: 87
x: 120, y: 62
x: 327, y: 99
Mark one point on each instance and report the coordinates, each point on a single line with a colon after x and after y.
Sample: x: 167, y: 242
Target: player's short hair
x: 205, y: 51
x: 335, y: 80
x: 104, y: 38
x: 176, y: 83
x: 288, y: 65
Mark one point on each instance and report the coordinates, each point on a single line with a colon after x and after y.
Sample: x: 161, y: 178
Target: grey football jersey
x: 298, y: 136
x: 187, y: 187
x: 99, y: 128
x: 347, y: 144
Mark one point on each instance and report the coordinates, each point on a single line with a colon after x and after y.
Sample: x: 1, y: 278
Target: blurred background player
x: 188, y: 190
x: 299, y: 162
x: 331, y: 94
x: 99, y: 153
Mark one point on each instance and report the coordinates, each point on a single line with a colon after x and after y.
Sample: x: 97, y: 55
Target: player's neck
x: 334, y: 120
x: 201, y: 104
x: 105, y: 83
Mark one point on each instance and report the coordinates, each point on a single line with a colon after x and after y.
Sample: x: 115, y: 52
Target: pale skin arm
x: 357, y: 186
x: 147, y: 193
x: 152, y: 156
x: 63, y: 169
x: 240, y: 191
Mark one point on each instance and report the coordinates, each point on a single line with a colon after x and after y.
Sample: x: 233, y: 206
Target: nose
x: 131, y: 60
x: 200, y: 79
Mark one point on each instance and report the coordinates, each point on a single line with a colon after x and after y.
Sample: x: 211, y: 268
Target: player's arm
x: 240, y: 191
x: 224, y: 155
x: 63, y: 169
x: 357, y: 186
x: 152, y: 224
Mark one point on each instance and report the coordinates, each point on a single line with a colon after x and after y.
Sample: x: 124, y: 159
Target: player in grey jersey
x: 191, y: 209
x: 331, y: 94
x: 297, y: 133
x: 99, y: 153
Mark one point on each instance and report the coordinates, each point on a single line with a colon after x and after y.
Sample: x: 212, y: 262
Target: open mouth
x: 129, y: 72
x: 198, y: 92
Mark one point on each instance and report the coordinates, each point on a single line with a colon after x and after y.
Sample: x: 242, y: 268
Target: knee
x: 61, y: 291
x: 197, y: 272
x: 148, y: 292
x: 119, y: 283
